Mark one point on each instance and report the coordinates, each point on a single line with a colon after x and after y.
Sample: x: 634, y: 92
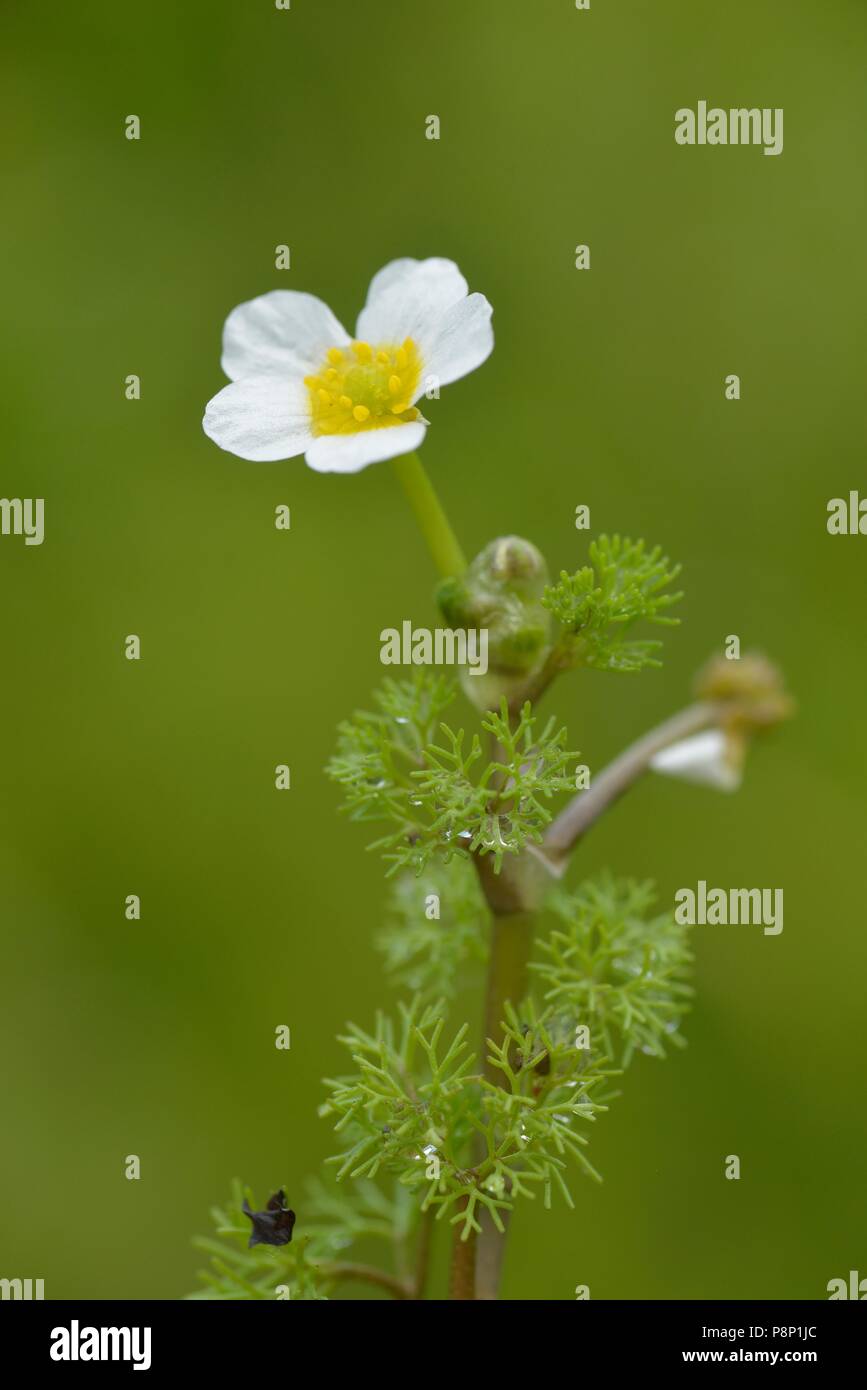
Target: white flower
x: 712, y: 759
x: 301, y: 385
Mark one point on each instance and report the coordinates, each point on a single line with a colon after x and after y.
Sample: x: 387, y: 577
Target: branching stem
x: 586, y: 808
x: 514, y: 899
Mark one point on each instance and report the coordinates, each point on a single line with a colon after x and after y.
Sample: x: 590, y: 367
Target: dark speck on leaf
x: 273, y: 1226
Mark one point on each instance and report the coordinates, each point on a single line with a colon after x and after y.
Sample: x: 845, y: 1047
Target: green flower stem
x: 462, y: 1277
x: 441, y: 540
x: 513, y: 897
x: 511, y: 940
x: 422, y: 1258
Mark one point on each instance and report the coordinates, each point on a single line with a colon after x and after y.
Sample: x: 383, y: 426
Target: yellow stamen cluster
x: 363, y: 388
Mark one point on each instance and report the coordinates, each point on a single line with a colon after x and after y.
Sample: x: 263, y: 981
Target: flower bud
x: 501, y: 592
x: 752, y: 685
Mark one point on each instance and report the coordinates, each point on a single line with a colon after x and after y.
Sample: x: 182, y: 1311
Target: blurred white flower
x: 712, y: 759
x: 301, y: 385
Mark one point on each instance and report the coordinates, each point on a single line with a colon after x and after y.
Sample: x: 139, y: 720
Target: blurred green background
x: 307, y: 127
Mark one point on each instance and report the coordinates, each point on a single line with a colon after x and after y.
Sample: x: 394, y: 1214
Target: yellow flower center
x: 364, y: 388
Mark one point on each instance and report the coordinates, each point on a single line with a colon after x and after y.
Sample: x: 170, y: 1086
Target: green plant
x: 434, y: 1124
x: 477, y: 826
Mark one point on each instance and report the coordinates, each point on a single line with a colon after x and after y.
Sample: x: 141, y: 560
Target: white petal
x: 708, y: 759
x: 407, y: 298
x: 461, y: 341
x: 284, y: 331
x: 390, y: 275
x: 349, y: 453
x: 261, y: 418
